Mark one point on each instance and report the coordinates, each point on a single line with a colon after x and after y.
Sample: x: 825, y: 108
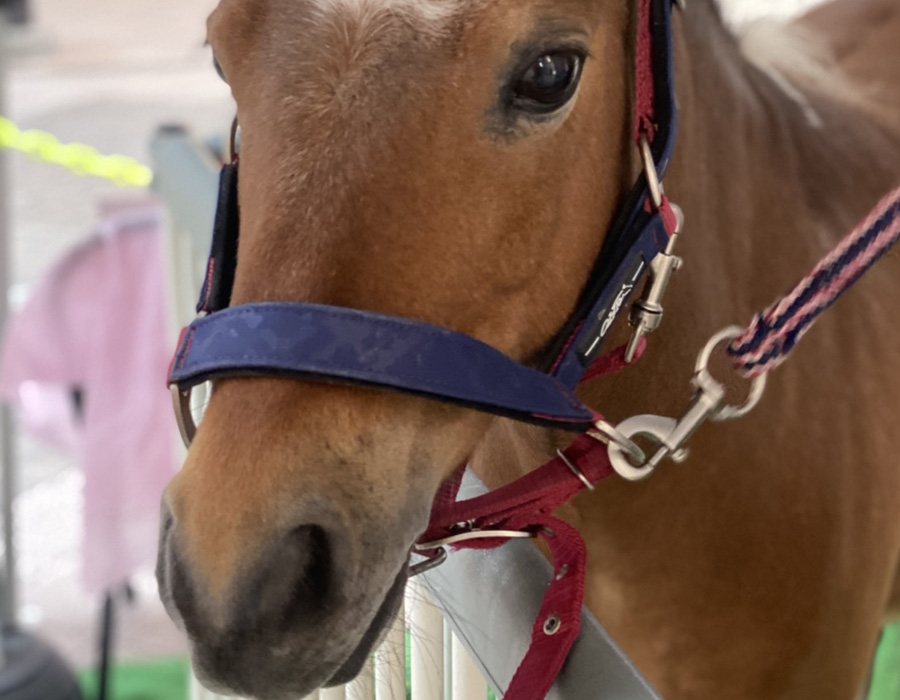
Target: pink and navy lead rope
x: 773, y: 334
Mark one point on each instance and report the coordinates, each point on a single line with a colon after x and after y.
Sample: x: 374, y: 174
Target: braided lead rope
x: 773, y: 334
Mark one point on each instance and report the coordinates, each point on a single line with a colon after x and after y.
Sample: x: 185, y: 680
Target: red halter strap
x: 645, y: 100
x: 527, y: 506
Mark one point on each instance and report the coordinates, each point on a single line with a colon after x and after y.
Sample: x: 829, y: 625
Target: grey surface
x: 106, y: 74
x: 491, y: 600
x: 35, y: 671
x: 186, y: 177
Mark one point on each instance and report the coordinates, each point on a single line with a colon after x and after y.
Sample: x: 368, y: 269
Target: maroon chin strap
x: 526, y: 507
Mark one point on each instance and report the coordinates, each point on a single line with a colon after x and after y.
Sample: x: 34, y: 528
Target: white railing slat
x: 363, y: 688
x: 448, y: 662
x: 426, y: 626
x: 466, y: 679
x: 390, y: 662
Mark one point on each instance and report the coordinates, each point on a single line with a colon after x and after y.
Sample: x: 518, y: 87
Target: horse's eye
x: 549, y: 82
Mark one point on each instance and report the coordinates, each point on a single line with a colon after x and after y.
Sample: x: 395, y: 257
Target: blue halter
x: 339, y: 345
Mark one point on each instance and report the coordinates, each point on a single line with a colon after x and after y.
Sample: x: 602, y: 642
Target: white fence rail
x: 441, y: 669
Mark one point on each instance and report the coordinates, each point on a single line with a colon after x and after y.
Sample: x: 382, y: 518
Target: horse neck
x: 769, y: 179
x: 770, y: 176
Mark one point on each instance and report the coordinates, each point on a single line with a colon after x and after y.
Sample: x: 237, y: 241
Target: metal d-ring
x: 702, y: 377
x: 428, y: 564
x: 234, y: 142
x: 653, y: 182
x: 440, y: 546
x: 181, y: 401
x: 575, y: 470
x: 473, y: 535
x: 654, y: 428
x: 611, y: 435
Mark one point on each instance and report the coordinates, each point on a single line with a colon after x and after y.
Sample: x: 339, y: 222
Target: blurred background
x: 108, y: 74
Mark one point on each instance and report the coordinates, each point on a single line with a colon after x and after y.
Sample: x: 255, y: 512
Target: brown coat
x: 380, y: 171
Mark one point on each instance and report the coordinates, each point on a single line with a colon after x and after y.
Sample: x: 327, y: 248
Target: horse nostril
x: 318, y: 571
x: 314, y: 577
x: 299, y: 577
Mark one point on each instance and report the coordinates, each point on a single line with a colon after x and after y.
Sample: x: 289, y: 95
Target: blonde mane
x: 799, y: 61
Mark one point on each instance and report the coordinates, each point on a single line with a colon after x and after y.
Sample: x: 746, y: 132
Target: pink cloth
x: 97, y: 322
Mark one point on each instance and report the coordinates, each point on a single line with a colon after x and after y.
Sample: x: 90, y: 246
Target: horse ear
x: 220, y: 270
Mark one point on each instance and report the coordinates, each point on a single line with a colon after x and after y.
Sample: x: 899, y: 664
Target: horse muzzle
x: 290, y: 622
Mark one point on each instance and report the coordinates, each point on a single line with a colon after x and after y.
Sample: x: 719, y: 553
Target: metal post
x: 7, y: 456
x: 107, y: 624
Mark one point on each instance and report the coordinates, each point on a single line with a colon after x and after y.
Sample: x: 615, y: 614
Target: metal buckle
x: 672, y: 435
x: 647, y: 312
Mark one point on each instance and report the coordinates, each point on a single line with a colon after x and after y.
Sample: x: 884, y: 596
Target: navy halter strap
x: 307, y: 341
x: 330, y: 344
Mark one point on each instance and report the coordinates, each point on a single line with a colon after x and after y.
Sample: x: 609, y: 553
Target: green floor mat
x: 886, y: 685
x: 161, y: 680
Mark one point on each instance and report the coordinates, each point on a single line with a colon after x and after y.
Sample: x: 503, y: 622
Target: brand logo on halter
x: 614, y: 310
x: 628, y: 279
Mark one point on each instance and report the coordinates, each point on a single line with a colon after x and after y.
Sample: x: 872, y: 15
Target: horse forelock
x: 321, y: 113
